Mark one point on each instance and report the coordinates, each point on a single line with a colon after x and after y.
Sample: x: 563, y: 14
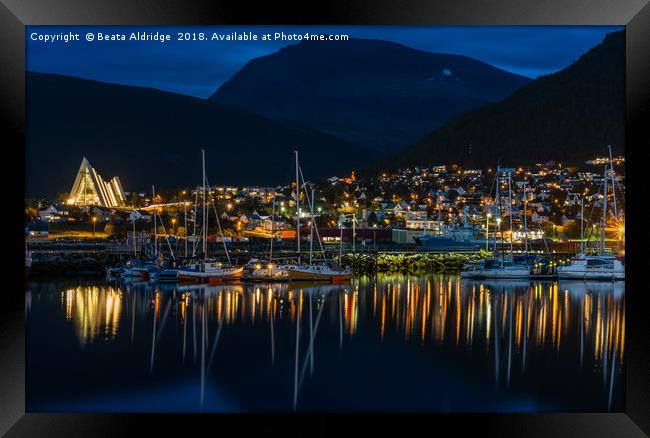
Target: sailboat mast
x: 272, y: 226
x: 341, y: 245
x: 525, y: 218
x: 135, y: 250
x: 510, y: 207
x: 582, y: 223
x: 602, y: 231
x: 498, y: 221
x: 311, y: 227
x: 155, y: 226
x: 205, y: 208
x: 611, y: 171
x: 196, y: 202
x: 185, y: 225
x: 297, y: 207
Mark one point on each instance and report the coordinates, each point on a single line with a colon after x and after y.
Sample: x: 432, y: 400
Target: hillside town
x: 548, y: 200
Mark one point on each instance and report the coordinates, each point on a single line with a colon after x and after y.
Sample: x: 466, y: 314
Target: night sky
x: 199, y: 68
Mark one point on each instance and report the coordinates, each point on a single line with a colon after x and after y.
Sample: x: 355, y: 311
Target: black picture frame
x: 16, y: 14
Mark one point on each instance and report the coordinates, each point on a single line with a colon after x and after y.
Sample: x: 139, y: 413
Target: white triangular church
x: 90, y: 189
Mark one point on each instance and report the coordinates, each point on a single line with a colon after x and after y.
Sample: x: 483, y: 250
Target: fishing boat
x: 450, y: 238
x: 604, y: 265
x: 446, y: 242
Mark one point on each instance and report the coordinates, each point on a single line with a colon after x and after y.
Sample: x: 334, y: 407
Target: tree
x: 180, y: 231
x: 136, y: 200
x: 109, y: 229
x: 372, y: 219
x: 62, y: 197
x: 572, y: 229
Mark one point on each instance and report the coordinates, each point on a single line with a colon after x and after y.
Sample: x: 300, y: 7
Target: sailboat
x: 506, y: 266
x: 322, y: 270
x: 206, y: 270
x: 601, y: 266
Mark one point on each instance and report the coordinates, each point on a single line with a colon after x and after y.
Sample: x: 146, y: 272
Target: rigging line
x: 591, y: 213
x: 195, y: 244
x: 311, y: 208
x: 165, y: 231
x: 214, y: 207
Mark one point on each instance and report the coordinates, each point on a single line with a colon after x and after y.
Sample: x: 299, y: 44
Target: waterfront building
x: 90, y: 189
x: 422, y: 224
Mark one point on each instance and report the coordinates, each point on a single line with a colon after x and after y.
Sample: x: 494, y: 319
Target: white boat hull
x: 214, y: 276
x: 316, y: 273
x: 603, y: 267
x: 606, y: 275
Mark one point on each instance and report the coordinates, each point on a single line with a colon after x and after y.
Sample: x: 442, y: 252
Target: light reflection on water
x: 515, y: 335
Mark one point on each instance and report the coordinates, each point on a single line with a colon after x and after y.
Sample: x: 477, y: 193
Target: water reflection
x: 94, y: 310
x: 509, y: 329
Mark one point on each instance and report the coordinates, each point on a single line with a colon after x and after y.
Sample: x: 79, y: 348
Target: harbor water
x: 392, y: 343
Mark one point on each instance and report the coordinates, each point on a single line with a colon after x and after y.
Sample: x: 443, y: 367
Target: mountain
x: 372, y: 92
x: 569, y: 116
x: 148, y: 136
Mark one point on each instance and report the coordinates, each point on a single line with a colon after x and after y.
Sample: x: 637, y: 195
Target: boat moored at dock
x: 321, y: 271
x: 210, y: 272
x: 593, y: 267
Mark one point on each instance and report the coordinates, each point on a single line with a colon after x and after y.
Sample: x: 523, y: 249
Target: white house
x: 54, y: 213
x: 139, y: 215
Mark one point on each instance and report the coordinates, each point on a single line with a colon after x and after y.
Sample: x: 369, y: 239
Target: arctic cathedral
x: 90, y: 189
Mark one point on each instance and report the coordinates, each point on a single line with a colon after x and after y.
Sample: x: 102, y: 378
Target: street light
x: 500, y: 233
x: 94, y: 221
x: 174, y: 224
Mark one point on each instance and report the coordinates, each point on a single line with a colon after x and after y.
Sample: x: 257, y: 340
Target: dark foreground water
x: 434, y: 343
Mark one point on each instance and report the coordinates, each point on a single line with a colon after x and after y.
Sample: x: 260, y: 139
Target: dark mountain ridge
x: 372, y: 92
x: 148, y: 136
x: 569, y: 116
